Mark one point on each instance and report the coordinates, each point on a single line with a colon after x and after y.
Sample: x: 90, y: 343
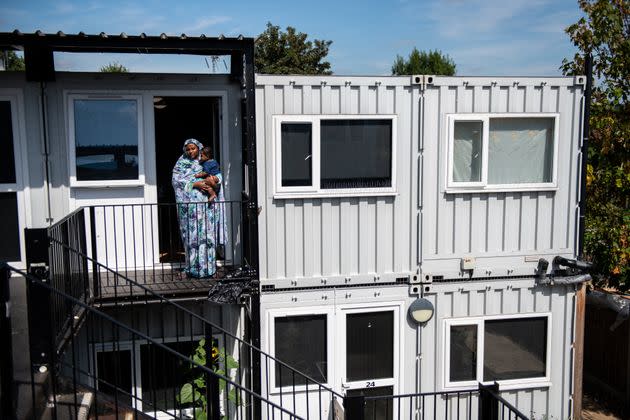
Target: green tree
x: 114, y: 67
x: 604, y: 33
x: 13, y: 62
x: 290, y: 52
x: 422, y: 62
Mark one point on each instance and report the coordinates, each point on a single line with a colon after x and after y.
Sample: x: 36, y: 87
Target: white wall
x: 421, y: 348
x: 420, y: 229
x: 506, y: 297
x: 64, y: 198
x: 370, y: 238
x: 500, y: 228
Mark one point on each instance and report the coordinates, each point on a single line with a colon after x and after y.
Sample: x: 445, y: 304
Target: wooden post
x: 578, y: 350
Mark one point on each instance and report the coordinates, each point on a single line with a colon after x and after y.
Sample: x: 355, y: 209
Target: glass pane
x: 515, y: 349
x: 106, y: 137
x: 467, y: 145
x: 297, y: 166
x: 163, y: 374
x: 9, y: 226
x: 356, y: 153
x: 114, y: 374
x: 7, y: 158
x: 520, y: 150
x: 463, y: 357
x: 382, y: 408
x: 301, y: 343
x: 370, y: 345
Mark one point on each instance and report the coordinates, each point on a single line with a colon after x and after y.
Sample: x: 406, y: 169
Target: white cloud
x: 458, y: 18
x: 555, y: 23
x: 207, y: 22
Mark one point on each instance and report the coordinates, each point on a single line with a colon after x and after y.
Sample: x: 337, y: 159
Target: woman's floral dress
x: 200, y: 222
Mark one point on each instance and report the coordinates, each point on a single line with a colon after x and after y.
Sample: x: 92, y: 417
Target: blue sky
x: 484, y: 37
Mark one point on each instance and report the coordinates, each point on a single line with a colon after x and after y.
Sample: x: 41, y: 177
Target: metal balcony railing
x: 179, y: 248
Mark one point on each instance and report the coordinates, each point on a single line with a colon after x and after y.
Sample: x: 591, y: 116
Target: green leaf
x: 185, y: 394
x: 200, y: 382
x: 200, y: 415
x: 201, y: 360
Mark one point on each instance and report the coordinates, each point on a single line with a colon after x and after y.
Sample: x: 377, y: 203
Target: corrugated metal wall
x: 358, y: 237
x: 503, y: 297
x: 498, y: 228
x: 304, y: 240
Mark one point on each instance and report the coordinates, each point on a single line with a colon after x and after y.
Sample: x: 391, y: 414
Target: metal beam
x: 141, y: 44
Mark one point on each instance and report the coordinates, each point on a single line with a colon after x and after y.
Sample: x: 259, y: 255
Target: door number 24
x: 369, y: 384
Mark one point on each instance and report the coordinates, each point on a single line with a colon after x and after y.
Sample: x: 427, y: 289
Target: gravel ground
x: 596, y: 410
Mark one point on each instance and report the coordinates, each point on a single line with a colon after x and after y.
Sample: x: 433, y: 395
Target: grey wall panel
x: 504, y: 298
x: 338, y: 237
x: 500, y: 228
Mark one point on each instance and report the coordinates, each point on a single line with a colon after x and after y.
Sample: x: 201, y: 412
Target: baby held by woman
x: 210, y: 171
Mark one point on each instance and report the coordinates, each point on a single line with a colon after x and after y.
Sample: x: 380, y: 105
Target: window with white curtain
x: 490, y: 152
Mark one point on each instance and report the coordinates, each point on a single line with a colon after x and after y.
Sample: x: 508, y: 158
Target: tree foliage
x: 422, y: 62
x: 604, y: 32
x: 12, y: 61
x: 114, y: 67
x: 290, y: 52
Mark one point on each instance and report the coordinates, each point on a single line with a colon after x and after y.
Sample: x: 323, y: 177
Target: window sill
x: 477, y: 190
x: 335, y: 194
x: 107, y: 184
x: 511, y: 385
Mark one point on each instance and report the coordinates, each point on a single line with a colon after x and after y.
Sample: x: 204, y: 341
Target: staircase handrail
x: 162, y: 298
x: 90, y: 309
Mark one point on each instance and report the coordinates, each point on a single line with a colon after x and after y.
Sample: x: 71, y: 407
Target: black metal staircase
x: 85, y: 348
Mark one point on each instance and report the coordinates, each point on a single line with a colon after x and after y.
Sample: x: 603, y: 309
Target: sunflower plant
x: 193, y: 393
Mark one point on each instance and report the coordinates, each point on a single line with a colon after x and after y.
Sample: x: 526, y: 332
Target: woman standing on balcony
x: 197, y: 218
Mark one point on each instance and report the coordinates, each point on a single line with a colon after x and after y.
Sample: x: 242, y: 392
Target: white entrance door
x: 370, y: 347
x: 12, y: 220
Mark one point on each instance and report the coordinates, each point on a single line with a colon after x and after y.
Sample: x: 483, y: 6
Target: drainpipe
x: 580, y: 295
x: 588, y: 66
x: 42, y: 87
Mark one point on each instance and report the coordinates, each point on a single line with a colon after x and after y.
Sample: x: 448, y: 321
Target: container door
x: 11, y: 200
x: 369, y: 363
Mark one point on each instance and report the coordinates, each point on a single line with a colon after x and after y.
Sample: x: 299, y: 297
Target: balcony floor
x: 169, y: 282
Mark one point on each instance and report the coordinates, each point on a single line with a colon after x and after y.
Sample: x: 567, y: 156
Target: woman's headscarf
x: 193, y: 141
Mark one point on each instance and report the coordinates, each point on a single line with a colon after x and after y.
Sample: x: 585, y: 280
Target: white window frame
x: 136, y: 365
x: 483, y: 186
x: 479, y: 322
x: 20, y: 156
x: 70, y: 123
x: 330, y: 334
x: 315, y: 190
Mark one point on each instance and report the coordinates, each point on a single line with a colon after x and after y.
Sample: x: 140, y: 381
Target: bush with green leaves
x: 193, y: 393
x: 604, y: 33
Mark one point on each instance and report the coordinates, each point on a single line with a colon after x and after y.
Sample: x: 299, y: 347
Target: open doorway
x: 178, y: 119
